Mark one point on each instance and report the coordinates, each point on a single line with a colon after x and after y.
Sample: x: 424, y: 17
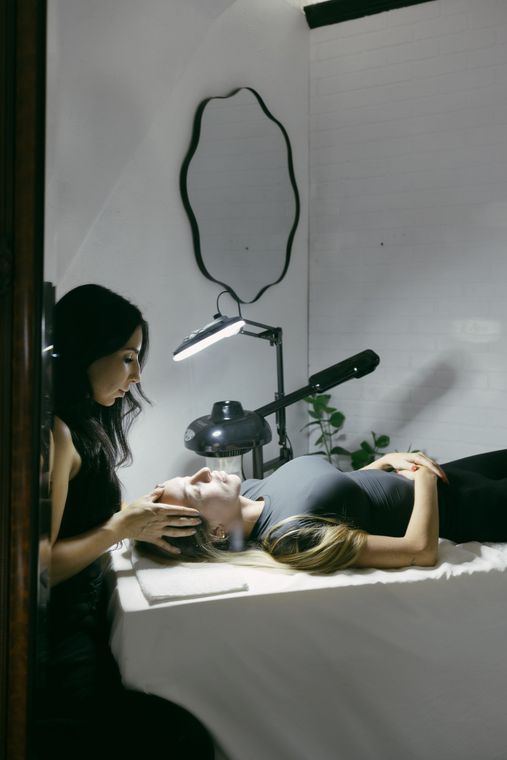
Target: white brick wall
x: 408, y: 223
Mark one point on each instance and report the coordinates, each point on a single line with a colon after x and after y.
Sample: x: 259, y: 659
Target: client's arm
x: 406, y: 460
x: 419, y: 545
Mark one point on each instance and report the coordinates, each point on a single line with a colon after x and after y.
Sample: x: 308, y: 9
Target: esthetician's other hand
x: 146, y: 520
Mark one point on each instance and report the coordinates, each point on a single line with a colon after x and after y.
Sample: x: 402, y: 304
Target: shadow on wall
x: 421, y: 391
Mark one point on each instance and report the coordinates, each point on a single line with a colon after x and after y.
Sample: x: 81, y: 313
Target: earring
x: 219, y: 532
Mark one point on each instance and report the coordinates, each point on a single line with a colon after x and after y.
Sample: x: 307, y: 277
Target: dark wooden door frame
x: 22, y: 119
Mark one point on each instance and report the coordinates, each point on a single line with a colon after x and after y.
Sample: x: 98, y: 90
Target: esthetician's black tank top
x: 94, y: 495
x: 472, y: 508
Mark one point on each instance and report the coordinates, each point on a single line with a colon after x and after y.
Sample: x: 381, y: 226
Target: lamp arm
x: 260, y: 324
x: 290, y: 398
x: 356, y: 366
x: 275, y: 337
x: 273, y: 334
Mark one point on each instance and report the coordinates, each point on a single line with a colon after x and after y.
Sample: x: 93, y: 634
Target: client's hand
x: 145, y: 520
x: 420, y: 472
x: 410, y: 461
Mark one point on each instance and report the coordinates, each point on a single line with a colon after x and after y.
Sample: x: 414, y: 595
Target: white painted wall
x: 409, y: 193
x: 409, y: 221
x: 124, y: 80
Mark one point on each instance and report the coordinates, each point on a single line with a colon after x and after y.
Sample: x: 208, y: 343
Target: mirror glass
x: 239, y: 191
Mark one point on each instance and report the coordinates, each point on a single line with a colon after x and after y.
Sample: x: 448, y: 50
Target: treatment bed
x: 360, y: 665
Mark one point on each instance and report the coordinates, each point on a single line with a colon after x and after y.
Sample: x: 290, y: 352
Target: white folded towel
x: 186, y: 581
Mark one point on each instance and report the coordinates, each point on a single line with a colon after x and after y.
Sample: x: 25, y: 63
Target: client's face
x: 214, y: 493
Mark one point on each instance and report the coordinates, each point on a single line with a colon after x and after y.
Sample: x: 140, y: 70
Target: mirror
x: 239, y: 190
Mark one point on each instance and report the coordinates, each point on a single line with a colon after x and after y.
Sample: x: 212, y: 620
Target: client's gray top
x: 473, y: 507
x: 377, y: 501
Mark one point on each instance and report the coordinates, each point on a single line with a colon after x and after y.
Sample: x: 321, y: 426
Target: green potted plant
x: 328, y: 422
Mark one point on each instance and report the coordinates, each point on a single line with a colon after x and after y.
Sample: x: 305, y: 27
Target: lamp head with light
x: 221, y: 327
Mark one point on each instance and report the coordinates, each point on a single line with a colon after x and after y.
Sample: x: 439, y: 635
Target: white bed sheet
x: 387, y: 665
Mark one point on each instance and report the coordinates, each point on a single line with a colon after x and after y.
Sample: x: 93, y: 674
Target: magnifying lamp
x: 230, y: 431
x: 222, y: 327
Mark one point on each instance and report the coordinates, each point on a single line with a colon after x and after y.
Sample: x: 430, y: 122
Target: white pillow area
x: 194, y: 580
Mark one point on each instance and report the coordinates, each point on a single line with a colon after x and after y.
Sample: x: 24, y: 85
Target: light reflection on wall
x: 477, y: 330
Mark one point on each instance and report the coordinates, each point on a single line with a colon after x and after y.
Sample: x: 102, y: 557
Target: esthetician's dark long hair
x: 91, y: 322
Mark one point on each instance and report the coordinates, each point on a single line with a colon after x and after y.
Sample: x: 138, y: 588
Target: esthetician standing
x: 101, y: 342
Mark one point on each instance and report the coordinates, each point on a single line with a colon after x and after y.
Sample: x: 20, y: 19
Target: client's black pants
x: 473, y: 507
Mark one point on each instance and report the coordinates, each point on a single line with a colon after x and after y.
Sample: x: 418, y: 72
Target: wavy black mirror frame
x: 196, y: 236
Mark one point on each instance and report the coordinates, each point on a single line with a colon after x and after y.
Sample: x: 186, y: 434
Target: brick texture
x: 408, y: 221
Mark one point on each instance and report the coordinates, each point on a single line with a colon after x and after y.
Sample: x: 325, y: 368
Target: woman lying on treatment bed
x: 313, y: 517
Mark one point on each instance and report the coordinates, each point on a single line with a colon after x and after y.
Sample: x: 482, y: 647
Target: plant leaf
x: 360, y: 459
x: 382, y: 441
x: 321, y: 401
x: 309, y: 424
x: 366, y: 447
x: 340, y: 451
x: 337, y: 419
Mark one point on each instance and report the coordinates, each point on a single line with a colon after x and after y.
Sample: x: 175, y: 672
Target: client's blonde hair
x: 314, y: 544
